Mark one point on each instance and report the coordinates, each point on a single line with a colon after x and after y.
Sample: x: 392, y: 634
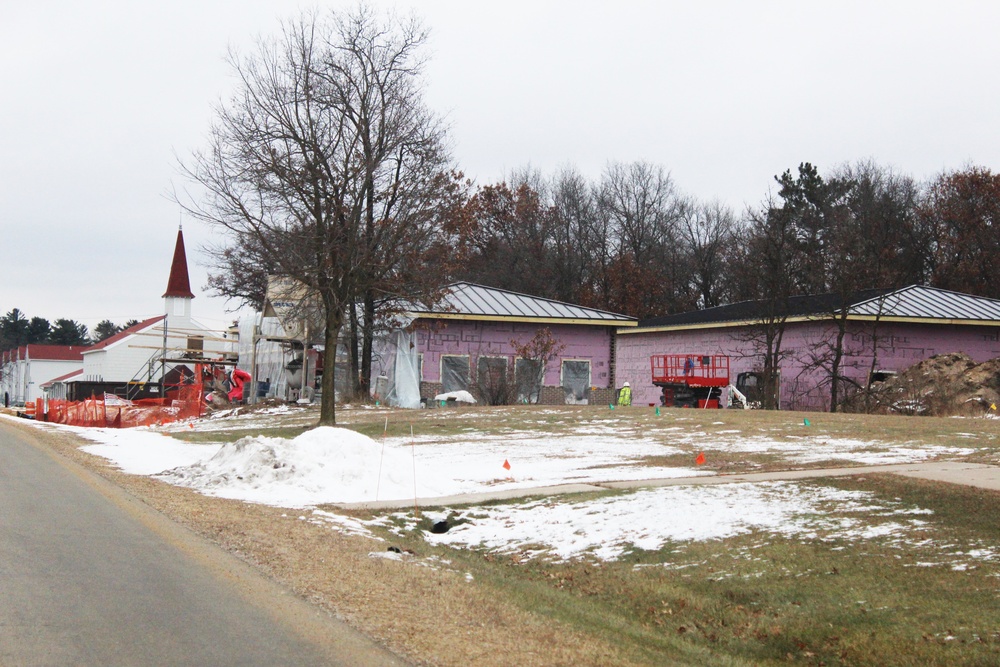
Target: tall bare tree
x: 579, y: 249
x: 510, y: 239
x: 329, y: 160
x: 708, y: 231
x: 769, y: 258
x: 648, y: 272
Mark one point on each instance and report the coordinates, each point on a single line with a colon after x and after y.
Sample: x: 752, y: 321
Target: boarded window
x: 576, y: 381
x: 491, y: 380
x: 454, y: 373
x: 528, y: 376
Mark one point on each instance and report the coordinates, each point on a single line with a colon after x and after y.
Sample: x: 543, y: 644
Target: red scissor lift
x: 690, y: 380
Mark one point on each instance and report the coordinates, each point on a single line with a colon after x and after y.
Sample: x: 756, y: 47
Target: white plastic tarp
x: 576, y: 381
x: 271, y: 358
x: 454, y: 373
x: 401, y: 367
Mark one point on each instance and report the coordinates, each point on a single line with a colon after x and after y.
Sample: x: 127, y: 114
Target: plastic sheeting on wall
x: 271, y: 358
x: 454, y: 373
x: 528, y: 374
x: 400, y: 370
x: 576, y: 381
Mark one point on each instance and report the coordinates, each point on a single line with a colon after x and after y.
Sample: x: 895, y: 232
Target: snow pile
x: 607, y: 528
x: 458, y: 396
x: 326, y: 464
x: 334, y: 465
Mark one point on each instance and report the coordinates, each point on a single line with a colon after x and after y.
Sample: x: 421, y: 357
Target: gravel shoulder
x: 427, y: 616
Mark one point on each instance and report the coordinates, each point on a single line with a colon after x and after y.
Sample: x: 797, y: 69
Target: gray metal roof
x: 918, y: 301
x: 478, y: 301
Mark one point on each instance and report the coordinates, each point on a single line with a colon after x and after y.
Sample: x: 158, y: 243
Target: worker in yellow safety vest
x: 625, y: 395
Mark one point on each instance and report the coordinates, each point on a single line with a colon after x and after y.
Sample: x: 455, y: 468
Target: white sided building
x: 148, y: 351
x: 26, y: 368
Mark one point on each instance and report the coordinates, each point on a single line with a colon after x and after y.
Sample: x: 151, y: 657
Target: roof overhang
x: 69, y: 377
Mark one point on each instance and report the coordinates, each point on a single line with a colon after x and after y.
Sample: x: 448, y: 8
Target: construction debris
x: 943, y: 385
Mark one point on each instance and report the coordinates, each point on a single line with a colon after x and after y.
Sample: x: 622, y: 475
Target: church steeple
x: 179, y: 285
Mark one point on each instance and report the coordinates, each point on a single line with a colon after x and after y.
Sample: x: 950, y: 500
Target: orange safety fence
x: 110, y: 411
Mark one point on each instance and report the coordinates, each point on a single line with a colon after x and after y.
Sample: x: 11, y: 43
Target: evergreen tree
x: 68, y: 332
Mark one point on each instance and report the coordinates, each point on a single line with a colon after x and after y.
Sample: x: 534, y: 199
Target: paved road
x: 91, y: 576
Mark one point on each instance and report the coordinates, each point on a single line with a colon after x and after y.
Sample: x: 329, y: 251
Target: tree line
x: 17, y: 329
x: 632, y: 242
x: 326, y: 166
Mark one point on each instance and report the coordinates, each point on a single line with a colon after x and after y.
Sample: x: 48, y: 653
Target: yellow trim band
x: 813, y: 318
x: 530, y: 320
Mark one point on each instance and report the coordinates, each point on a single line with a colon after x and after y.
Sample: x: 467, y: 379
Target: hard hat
x: 625, y: 385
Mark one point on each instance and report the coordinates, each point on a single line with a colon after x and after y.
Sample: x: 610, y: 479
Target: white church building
x: 136, y: 362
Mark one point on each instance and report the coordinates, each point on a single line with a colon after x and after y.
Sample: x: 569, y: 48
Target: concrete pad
x: 981, y: 476
x: 955, y: 472
x: 951, y: 468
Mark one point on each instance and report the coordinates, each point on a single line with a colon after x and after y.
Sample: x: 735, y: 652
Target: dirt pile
x: 944, y: 385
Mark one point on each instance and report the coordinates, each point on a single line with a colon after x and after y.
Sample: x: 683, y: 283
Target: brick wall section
x: 428, y: 390
x: 604, y: 396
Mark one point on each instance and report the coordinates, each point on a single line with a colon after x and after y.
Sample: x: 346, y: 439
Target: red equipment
x: 237, y: 378
x: 690, y: 380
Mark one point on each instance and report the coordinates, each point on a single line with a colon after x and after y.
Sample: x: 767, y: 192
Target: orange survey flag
x: 506, y: 464
x: 700, y: 459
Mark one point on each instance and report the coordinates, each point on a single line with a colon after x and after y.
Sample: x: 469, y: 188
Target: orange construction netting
x: 109, y: 411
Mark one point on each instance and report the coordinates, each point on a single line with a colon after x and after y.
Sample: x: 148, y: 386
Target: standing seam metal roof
x: 914, y: 302
x: 931, y: 303
x: 472, y: 300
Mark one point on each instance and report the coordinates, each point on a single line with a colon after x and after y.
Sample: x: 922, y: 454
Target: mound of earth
x: 944, y: 385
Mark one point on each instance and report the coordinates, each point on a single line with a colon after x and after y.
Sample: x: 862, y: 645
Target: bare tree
x: 327, y: 158
x: 647, y: 274
x: 577, y: 244
x: 770, y: 255
x: 532, y: 361
x: 708, y: 232
x: 510, y: 239
x: 892, y: 245
x: 240, y: 270
x: 869, y: 216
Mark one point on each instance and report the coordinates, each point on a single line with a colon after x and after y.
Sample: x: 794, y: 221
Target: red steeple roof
x: 179, y: 284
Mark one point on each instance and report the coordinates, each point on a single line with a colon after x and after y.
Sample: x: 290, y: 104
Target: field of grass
x: 929, y: 595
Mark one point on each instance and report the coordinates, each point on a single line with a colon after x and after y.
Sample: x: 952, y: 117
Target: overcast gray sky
x: 99, y: 99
